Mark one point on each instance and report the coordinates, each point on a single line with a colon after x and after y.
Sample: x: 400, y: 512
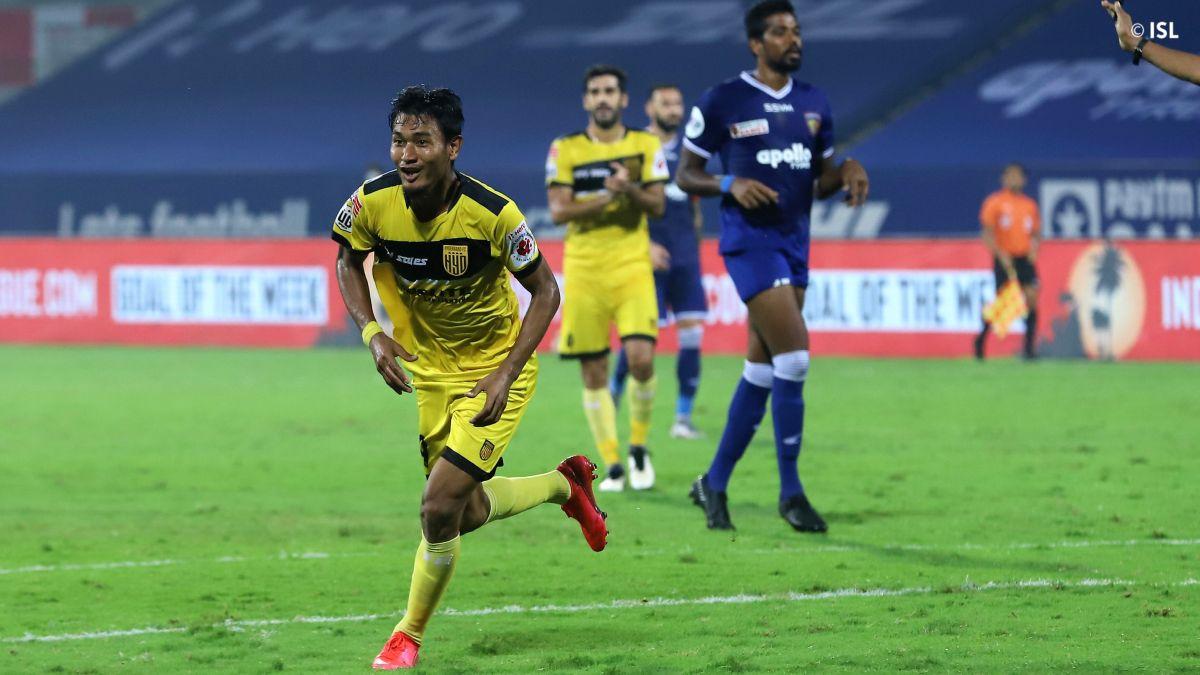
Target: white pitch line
x: 829, y: 548
x: 624, y: 604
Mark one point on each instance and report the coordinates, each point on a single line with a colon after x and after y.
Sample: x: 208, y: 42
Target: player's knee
x: 791, y: 366
x: 641, y: 368
x: 440, y: 516
x: 691, y: 337
x: 758, y: 374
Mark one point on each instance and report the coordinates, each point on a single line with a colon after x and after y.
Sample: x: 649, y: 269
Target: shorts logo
x: 758, y: 127
x: 485, y: 452
x: 454, y: 258
x: 814, y: 122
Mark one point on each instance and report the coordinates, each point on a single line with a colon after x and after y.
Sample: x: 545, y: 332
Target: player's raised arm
x: 1176, y: 63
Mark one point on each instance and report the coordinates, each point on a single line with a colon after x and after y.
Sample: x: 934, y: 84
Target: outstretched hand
x: 385, y: 351
x: 495, y: 388
x: 1124, y: 24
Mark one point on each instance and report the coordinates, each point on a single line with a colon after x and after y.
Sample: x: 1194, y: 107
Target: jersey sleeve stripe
x: 530, y: 268
x: 342, y: 240
x: 828, y: 153
x: 687, y: 143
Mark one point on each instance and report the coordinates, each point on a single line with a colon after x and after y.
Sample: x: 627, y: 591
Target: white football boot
x: 641, y: 470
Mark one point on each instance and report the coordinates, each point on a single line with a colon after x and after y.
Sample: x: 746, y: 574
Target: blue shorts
x: 680, y: 290
x: 755, y: 270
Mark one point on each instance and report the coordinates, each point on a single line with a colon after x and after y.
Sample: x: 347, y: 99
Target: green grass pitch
x: 253, y: 511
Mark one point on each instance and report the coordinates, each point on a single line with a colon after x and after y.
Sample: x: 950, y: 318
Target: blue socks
x: 617, y: 384
x: 746, y: 411
x: 787, y: 412
x: 687, y: 369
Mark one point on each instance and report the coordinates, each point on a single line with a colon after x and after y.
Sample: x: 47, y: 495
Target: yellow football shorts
x: 593, y: 301
x: 444, y: 422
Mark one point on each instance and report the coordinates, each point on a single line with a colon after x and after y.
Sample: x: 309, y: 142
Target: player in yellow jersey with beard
x: 603, y: 182
x: 444, y: 245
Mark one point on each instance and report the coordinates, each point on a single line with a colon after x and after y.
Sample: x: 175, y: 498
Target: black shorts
x: 1026, y: 274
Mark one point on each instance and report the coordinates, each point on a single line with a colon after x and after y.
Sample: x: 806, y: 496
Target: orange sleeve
x: 987, y: 213
x: 1037, y: 219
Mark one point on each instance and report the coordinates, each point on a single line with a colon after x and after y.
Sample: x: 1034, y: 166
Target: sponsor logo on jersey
x: 522, y: 247
x: 660, y: 165
x: 797, y: 157
x: 778, y: 107
x: 758, y: 127
x: 814, y: 122
x: 454, y: 258
x: 695, y: 125
x: 409, y: 260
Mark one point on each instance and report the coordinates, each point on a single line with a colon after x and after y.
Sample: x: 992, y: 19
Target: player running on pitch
x: 774, y: 135
x: 603, y: 182
x: 675, y: 252
x: 444, y: 245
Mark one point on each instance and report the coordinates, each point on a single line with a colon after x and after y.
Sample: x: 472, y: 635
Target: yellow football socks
x: 431, y: 574
x: 602, y: 419
x: 641, y: 404
x: 510, y: 496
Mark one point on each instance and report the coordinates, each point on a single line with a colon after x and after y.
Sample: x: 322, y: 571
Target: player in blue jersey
x: 675, y: 250
x: 774, y: 135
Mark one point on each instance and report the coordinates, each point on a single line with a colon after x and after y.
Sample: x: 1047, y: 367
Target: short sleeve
x: 654, y: 162
x: 558, y: 167
x: 1037, y: 219
x: 987, y: 213
x: 825, y: 132
x: 704, y: 133
x: 517, y: 243
x: 352, y: 227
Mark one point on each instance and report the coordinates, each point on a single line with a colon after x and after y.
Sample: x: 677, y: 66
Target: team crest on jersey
x: 454, y: 259
x: 814, y: 122
x: 758, y: 127
x: 485, y: 452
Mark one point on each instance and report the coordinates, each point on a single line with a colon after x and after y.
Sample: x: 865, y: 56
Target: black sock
x: 1030, y: 330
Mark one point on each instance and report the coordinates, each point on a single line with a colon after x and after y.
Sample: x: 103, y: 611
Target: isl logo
x: 1156, y: 30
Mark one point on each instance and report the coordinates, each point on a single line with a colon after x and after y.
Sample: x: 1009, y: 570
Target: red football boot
x: 581, y: 505
x: 399, y: 652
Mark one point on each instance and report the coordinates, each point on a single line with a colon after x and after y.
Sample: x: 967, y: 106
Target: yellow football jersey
x: 618, y: 235
x: 444, y: 282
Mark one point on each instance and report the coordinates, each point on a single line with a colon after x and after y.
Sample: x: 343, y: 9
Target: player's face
x: 421, y: 152
x: 1013, y: 179
x: 604, y: 100
x: 780, y: 46
x: 665, y: 107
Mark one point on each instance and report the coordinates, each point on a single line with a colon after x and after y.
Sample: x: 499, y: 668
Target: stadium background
x: 168, y: 173
x: 250, y: 120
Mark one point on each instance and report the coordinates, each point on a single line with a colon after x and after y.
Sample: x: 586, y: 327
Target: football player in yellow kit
x: 444, y: 245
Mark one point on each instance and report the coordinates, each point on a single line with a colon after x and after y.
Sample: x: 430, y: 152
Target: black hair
x: 441, y: 105
x: 605, y: 69
x: 1019, y: 166
x: 756, y: 16
x: 660, y: 86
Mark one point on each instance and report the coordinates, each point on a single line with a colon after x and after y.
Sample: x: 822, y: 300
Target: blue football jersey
x: 776, y: 137
x: 676, y: 230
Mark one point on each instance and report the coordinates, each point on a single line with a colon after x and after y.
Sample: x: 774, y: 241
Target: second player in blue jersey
x: 675, y: 249
x: 774, y: 136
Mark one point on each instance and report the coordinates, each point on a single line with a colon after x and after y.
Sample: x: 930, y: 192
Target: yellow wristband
x: 369, y: 331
